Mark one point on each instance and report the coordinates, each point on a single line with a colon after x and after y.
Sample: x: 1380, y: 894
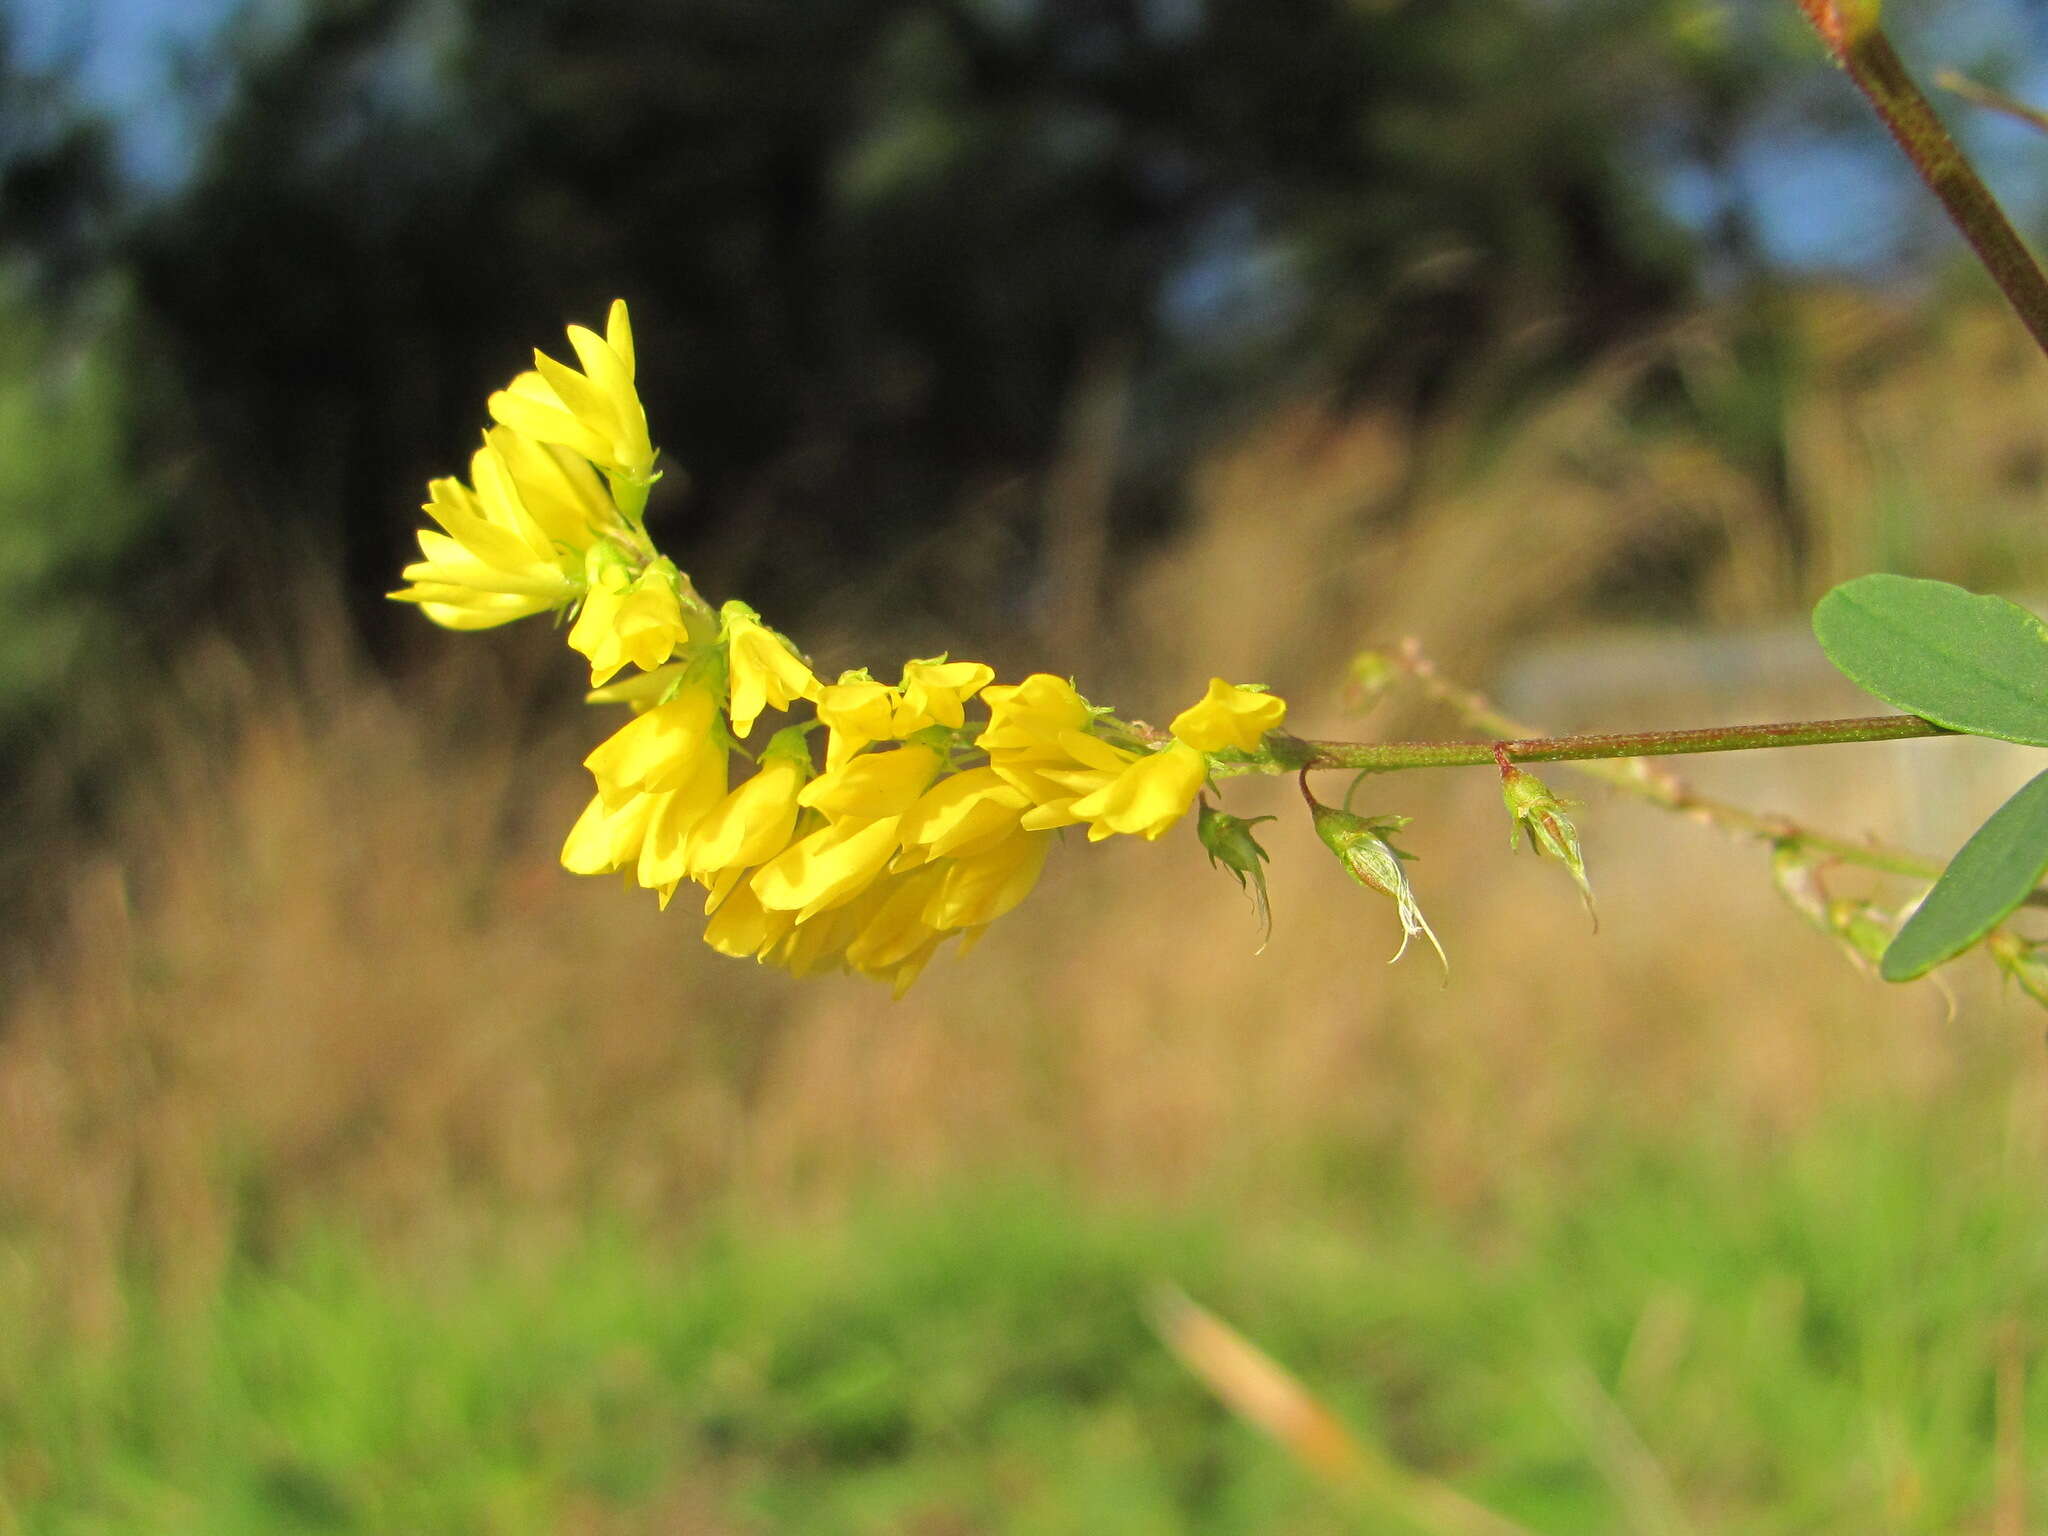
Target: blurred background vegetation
x: 361, y: 1171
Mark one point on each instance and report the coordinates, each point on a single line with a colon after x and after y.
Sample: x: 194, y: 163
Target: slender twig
x: 1960, y: 84
x: 1659, y: 787
x: 1378, y: 757
x: 1849, y: 29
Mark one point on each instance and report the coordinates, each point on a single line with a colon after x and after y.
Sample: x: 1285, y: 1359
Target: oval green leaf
x: 1996, y: 870
x: 1971, y: 663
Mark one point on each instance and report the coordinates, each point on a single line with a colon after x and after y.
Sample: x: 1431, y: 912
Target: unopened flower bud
x: 1231, y: 844
x: 1361, y: 846
x: 1532, y: 806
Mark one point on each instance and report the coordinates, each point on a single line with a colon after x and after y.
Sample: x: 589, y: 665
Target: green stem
x: 1385, y: 757
x: 1648, y: 782
x: 1850, y: 30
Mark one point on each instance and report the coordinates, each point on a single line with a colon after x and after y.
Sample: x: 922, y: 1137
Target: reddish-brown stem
x: 1849, y: 29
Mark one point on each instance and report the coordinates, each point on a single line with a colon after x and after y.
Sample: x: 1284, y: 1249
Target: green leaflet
x: 2001, y: 863
x: 1975, y: 664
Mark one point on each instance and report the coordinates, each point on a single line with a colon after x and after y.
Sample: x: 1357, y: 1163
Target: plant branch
x: 1648, y: 782
x: 1382, y: 757
x: 1960, y: 84
x: 1849, y: 29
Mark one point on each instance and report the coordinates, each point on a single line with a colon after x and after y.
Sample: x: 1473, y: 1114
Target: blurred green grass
x: 1700, y: 1336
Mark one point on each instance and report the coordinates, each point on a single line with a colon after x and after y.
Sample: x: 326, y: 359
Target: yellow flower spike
x: 595, y: 413
x: 1149, y: 796
x: 763, y: 669
x: 754, y: 822
x: 858, y: 711
x: 628, y: 619
x: 663, y: 749
x: 935, y: 690
x: 874, y: 785
x: 1229, y: 718
x: 962, y: 814
x: 829, y: 867
x: 982, y: 887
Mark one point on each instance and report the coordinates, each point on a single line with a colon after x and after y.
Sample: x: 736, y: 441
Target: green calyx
x: 1232, y: 846
x: 1534, y: 808
x: 1362, y: 847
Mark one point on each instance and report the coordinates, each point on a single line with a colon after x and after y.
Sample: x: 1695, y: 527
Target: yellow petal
x: 618, y: 334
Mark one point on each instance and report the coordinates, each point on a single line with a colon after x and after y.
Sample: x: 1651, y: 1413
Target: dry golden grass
x: 328, y: 968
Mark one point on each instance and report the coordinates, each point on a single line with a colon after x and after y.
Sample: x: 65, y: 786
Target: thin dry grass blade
x: 2009, y: 1507
x: 1262, y: 1392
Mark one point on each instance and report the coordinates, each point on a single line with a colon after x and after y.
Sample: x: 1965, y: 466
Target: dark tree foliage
x: 872, y: 245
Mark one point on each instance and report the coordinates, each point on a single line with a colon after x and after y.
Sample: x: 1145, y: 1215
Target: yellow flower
x: 962, y: 814
x: 511, y: 547
x: 893, y: 928
x: 596, y: 413
x: 664, y: 855
x: 1229, y: 717
x: 858, y: 711
x: 628, y: 618
x: 646, y: 830
x: 744, y: 929
x: 763, y: 669
x: 873, y: 785
x: 1035, y: 728
x: 665, y: 748
x: 933, y: 692
x: 1029, y: 716
x: 981, y: 887
x: 1072, y: 767
x: 828, y: 868
x: 607, y: 836
x: 1149, y: 796
x: 753, y: 823
x: 820, y: 944
x: 657, y: 777
x: 560, y: 491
